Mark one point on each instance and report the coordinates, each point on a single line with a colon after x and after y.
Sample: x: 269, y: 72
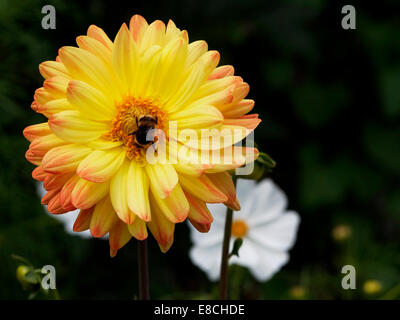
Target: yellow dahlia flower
x: 102, y: 98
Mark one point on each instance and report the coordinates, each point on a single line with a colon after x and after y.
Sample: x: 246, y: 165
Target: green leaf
x: 266, y: 161
x: 262, y: 167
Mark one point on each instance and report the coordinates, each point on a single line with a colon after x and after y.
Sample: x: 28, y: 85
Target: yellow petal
x: 40, y: 146
x: 54, y: 206
x: 171, y: 64
x: 161, y: 228
x: 71, y: 126
x: 153, y: 35
x: 98, y: 34
x: 250, y: 121
x: 187, y: 88
x: 99, y: 166
x: 102, y: 144
x: 49, y: 69
x: 175, y: 207
x: 214, y: 138
x: 201, y: 227
x: 202, y: 188
x: 137, y: 26
x: 172, y: 32
x: 125, y: 58
x: 210, y: 60
x: 82, y: 222
x: 217, y: 99
x: 217, y: 85
x: 66, y: 192
x: 239, y: 93
x: 138, y: 229
x: 56, y: 86
x: 187, y: 161
x: 96, y: 47
x: 33, y: 158
x: 196, y: 118
x: 239, y: 109
x: 232, y: 158
x: 86, y: 194
x: 148, y: 70
x: 119, y: 194
x: 119, y: 236
x: 221, y: 72
x: 190, y: 169
x: 223, y: 181
x: 39, y: 174
x: 198, y: 210
x: 64, y: 158
x: 55, y: 106
x: 92, y: 103
x: 195, y: 50
x: 42, y: 96
x: 163, y: 178
x: 37, y: 130
x: 85, y: 66
x: 56, y: 181
x: 103, y: 218
x: 138, y: 191
x: 50, y: 195
x: 199, y: 215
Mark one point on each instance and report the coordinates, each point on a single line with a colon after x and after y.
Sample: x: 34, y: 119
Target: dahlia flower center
x: 133, y: 125
x: 239, y: 228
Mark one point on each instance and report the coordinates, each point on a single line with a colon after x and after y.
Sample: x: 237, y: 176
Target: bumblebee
x: 139, y: 127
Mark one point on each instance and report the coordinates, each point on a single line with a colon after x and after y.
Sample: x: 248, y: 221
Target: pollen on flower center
x: 239, y: 228
x: 134, y: 118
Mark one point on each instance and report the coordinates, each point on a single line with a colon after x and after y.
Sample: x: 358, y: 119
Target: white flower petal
x: 270, y: 263
x: 278, y: 234
x: 248, y: 255
x: 207, y: 259
x: 218, y: 211
x: 265, y: 203
x: 244, y: 188
x: 212, y: 237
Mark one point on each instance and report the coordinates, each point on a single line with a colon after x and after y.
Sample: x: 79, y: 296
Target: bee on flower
x: 103, y: 102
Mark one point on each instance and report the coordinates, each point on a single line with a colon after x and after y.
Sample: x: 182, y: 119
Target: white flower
x: 67, y: 219
x: 268, y: 231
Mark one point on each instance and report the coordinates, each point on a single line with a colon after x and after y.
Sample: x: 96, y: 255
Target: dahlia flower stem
x: 144, y: 289
x: 223, y: 279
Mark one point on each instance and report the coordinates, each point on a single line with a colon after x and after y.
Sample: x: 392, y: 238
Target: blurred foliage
x: 330, y: 103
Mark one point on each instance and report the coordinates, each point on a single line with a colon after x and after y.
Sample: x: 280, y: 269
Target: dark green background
x: 330, y: 103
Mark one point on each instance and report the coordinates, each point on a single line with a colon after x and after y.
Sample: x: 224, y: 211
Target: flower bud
x: 27, y: 278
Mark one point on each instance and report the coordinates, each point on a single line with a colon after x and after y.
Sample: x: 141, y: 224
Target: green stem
x: 223, y: 279
x: 236, y: 281
x: 144, y: 289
